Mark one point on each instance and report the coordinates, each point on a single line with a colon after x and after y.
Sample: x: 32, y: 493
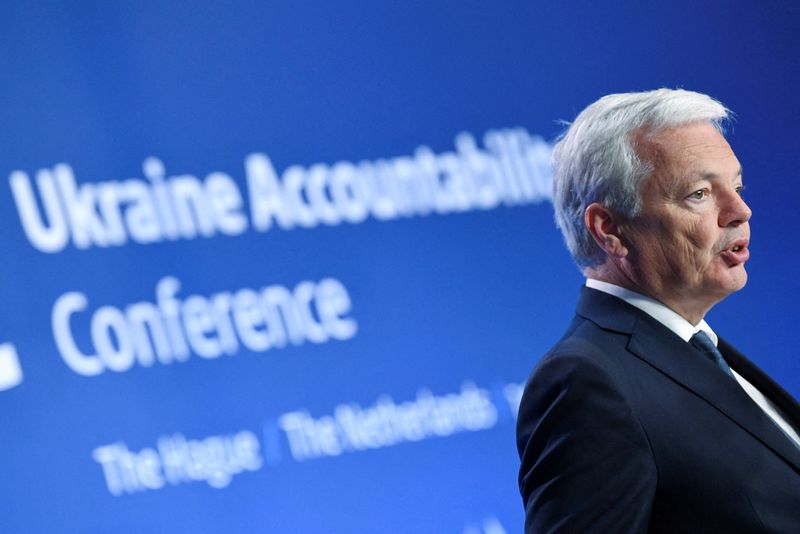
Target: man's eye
x: 740, y: 190
x: 700, y: 194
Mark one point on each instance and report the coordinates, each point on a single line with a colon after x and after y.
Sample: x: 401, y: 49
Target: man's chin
x: 742, y: 278
x: 736, y: 280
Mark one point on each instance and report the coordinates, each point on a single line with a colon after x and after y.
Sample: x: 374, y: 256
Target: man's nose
x: 735, y: 210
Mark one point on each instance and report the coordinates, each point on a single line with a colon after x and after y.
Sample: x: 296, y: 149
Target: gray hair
x: 595, y: 160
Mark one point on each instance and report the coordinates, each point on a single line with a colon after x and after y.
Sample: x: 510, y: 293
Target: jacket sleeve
x: 586, y: 465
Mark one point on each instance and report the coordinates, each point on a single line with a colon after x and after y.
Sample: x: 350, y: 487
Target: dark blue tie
x: 703, y: 343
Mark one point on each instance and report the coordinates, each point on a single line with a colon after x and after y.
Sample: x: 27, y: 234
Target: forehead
x: 688, y: 152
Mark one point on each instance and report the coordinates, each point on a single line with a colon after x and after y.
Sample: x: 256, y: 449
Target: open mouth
x: 737, y: 254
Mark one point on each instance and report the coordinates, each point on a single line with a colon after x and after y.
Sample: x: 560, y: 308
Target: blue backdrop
x: 284, y: 266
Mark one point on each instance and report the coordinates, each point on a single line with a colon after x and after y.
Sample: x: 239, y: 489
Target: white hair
x: 595, y: 160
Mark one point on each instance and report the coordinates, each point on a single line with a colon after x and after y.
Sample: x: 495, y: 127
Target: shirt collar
x: 655, y: 309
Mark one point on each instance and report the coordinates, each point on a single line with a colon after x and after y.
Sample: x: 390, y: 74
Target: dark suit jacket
x: 624, y: 427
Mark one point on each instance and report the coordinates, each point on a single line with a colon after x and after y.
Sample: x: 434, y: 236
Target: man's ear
x: 604, y: 226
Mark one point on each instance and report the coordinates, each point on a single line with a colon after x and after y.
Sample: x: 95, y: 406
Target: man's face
x: 689, y: 245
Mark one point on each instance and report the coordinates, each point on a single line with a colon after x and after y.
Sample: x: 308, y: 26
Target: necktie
x: 703, y: 343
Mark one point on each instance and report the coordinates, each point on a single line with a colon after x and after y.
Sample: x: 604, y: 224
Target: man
x: 641, y: 419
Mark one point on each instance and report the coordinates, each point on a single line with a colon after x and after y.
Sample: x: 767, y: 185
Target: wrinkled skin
x: 688, y: 246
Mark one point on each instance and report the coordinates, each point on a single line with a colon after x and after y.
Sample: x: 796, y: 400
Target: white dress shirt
x: 685, y: 330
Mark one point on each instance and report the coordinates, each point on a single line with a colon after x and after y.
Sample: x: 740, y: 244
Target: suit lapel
x: 762, y: 382
x: 661, y: 348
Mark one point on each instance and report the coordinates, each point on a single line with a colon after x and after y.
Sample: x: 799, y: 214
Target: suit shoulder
x: 588, y: 367
x: 586, y: 345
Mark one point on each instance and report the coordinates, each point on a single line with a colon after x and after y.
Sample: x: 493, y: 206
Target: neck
x: 690, y: 311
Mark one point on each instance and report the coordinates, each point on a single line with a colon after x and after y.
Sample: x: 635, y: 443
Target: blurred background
x: 285, y: 266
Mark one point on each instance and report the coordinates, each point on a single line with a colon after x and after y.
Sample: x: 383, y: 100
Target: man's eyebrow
x: 712, y: 175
